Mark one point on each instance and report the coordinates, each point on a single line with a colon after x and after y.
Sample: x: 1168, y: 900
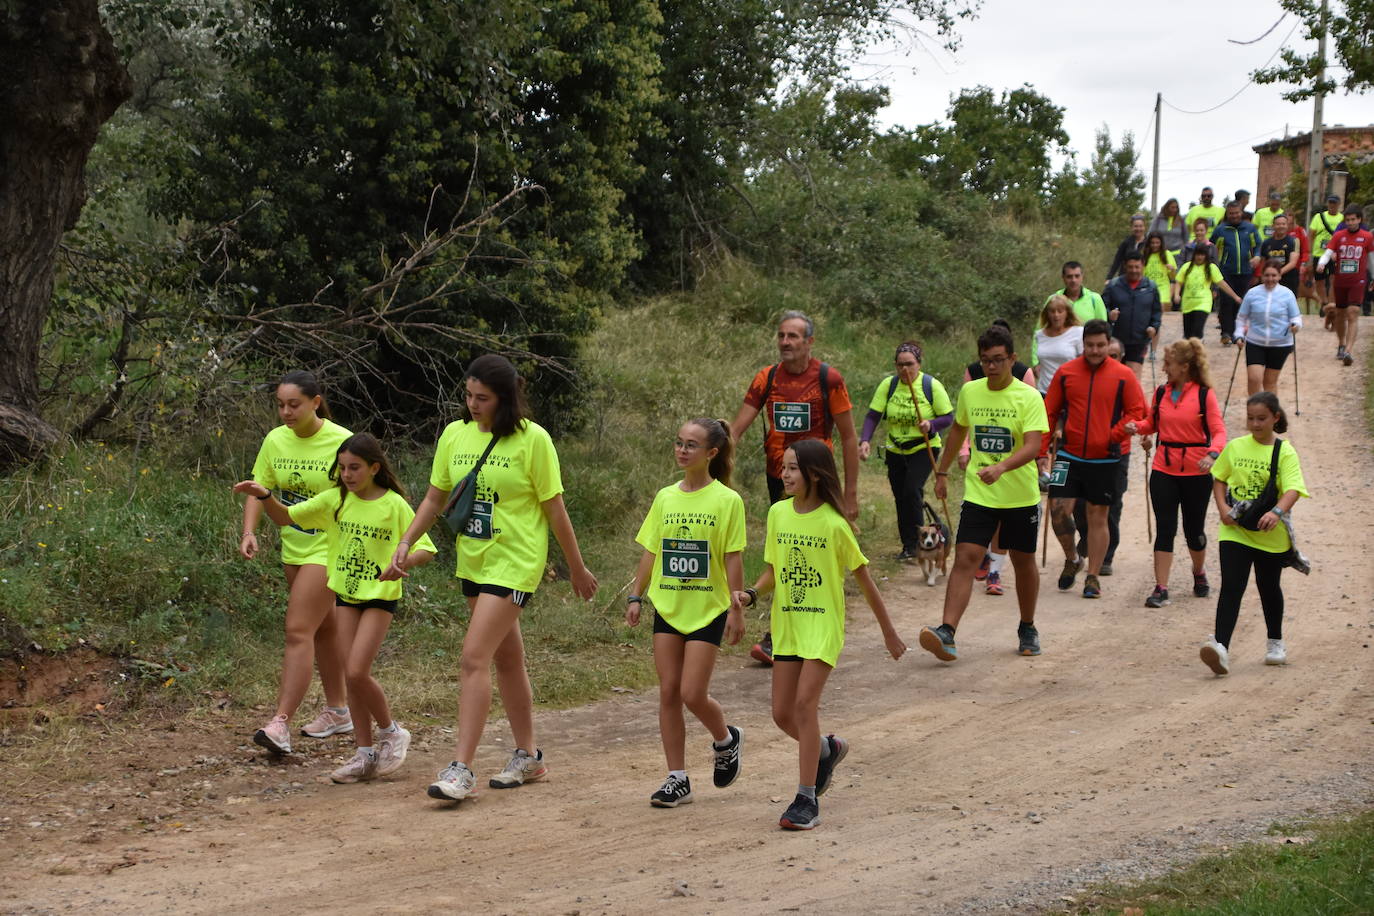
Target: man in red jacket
x: 1095, y: 397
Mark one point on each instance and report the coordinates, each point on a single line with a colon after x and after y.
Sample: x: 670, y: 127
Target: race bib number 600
x: 685, y: 559
x: 993, y: 440
x: 791, y: 417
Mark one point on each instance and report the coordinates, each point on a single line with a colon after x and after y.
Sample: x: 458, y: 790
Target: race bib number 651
x: 993, y: 440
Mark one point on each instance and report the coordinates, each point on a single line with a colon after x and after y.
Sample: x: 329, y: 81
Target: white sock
x: 388, y: 730
x: 338, y: 710
x: 997, y: 560
x: 679, y: 774
x: 368, y: 751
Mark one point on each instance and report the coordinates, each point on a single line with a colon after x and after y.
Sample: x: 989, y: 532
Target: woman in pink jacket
x: 1185, y: 415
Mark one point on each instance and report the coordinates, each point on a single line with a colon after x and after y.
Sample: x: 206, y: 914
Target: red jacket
x: 1096, y: 403
x: 1187, y: 430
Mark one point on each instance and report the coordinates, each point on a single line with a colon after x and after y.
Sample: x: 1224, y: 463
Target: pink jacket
x: 1184, y: 439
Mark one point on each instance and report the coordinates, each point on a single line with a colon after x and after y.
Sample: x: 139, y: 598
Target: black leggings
x: 1171, y: 493
x: 1195, y: 323
x: 907, y: 474
x: 1236, y: 560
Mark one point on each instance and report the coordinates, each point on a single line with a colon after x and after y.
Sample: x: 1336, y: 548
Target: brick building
x: 1338, y: 142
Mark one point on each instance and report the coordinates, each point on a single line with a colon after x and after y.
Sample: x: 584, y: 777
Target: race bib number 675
x: 993, y: 440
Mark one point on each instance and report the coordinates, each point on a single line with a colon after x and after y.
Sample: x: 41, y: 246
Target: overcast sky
x: 1103, y: 62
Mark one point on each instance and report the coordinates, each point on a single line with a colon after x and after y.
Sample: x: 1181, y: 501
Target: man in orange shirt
x: 1096, y: 397
x: 800, y: 398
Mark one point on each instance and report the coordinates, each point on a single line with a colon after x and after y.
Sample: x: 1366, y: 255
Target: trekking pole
x: 1231, y: 386
x: 1045, y: 534
x: 929, y: 454
x: 1297, y: 401
x: 1149, y: 509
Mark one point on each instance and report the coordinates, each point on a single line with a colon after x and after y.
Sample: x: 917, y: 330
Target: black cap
x: 1242, y: 193
x: 1275, y: 195
x: 1333, y: 197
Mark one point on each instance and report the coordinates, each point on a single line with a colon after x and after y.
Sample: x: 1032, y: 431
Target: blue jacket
x: 1266, y: 317
x: 1236, y: 245
x: 1139, y: 308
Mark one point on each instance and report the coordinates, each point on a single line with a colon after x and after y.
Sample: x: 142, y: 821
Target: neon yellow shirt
x: 997, y: 423
x: 511, y: 547
x: 1087, y: 306
x: 1321, y: 234
x: 900, y: 415
x: 1213, y: 214
x: 810, y: 554
x: 361, y: 540
x: 1158, y: 271
x: 298, y: 468
x: 689, y: 535
x: 1264, y: 220
x: 1195, y: 286
x: 1244, y: 467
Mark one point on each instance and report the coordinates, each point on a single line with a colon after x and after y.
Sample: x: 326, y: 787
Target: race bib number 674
x: 791, y: 417
x: 993, y: 440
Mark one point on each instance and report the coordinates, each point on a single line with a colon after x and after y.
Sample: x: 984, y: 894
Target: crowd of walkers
x: 1047, y: 442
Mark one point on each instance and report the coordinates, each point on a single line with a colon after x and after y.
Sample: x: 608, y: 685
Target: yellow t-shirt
x: 1195, y: 286
x: 1158, y: 271
x: 689, y: 535
x: 298, y: 468
x: 810, y: 555
x: 510, y: 546
x: 900, y: 415
x: 997, y: 423
x: 1213, y: 214
x: 1264, y: 220
x: 361, y: 540
x: 1244, y: 467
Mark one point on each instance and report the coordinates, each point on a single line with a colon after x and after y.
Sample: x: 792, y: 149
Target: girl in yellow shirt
x: 692, y: 539
x: 810, y: 546
x: 362, y: 517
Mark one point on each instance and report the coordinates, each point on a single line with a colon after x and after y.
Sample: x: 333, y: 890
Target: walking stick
x: 1231, y: 386
x: 1149, y: 509
x: 1045, y: 514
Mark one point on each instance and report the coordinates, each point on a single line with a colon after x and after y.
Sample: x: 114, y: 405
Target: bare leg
x: 1254, y: 379
x: 797, y: 688
x: 668, y: 652
x: 1352, y: 326
x: 1098, y: 537
x: 310, y: 602
x: 1271, y: 380
x: 1027, y: 583
x: 1061, y: 519
x: 1164, y: 561
x: 365, y: 630
x: 959, y: 585
x: 494, y: 620
x: 698, y: 662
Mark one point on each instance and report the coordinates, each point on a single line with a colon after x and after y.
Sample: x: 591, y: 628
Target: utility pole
x: 1314, y: 153
x: 1154, y: 173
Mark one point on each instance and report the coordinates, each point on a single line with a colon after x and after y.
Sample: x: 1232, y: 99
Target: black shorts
x: 978, y: 524
x: 1134, y: 353
x: 381, y: 604
x: 1094, y: 482
x: 713, y: 632
x: 1268, y: 357
x: 473, y: 589
x: 1347, y: 295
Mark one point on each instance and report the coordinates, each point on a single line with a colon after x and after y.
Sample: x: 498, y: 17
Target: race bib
x: 685, y: 559
x: 791, y: 417
x: 1348, y: 266
x: 1060, y: 475
x: 993, y: 440
x: 479, y: 526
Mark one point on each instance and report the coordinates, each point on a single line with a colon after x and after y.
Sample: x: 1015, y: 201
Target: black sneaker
x: 1200, y: 587
x: 803, y: 814
x: 762, y: 651
x: 906, y: 554
x: 1069, y: 573
x: 1106, y: 569
x: 1158, y: 598
x: 727, y: 758
x: 939, y: 642
x: 825, y: 769
x: 1028, y: 639
x: 675, y: 792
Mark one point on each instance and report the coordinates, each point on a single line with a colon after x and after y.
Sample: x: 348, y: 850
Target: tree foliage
x: 1349, y: 28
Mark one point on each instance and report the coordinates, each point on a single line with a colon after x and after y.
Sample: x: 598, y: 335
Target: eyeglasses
x: 686, y: 446
x: 992, y: 360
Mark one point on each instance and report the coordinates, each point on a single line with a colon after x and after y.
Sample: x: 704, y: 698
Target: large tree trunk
x: 59, y: 81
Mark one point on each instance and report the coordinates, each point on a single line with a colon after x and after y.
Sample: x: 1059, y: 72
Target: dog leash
x: 934, y: 470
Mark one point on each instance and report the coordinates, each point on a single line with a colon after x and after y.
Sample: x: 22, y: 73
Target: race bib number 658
x: 993, y: 440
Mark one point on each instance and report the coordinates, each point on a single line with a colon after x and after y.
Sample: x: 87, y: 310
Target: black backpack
x: 1202, y: 410
x: 927, y: 389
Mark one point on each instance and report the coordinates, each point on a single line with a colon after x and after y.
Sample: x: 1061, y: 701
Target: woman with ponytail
x: 690, y: 570
x: 295, y: 461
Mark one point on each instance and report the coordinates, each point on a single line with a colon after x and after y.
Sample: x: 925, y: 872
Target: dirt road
x: 996, y: 783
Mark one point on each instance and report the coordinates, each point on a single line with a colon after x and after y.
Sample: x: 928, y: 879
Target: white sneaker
x: 361, y: 768
x: 1276, y: 654
x: 1214, y: 655
x: 520, y: 769
x: 392, y: 752
x: 328, y: 723
x: 455, y: 783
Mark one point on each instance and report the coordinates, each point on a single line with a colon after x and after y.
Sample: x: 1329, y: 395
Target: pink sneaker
x: 392, y: 752
x: 327, y: 723
x: 274, y: 736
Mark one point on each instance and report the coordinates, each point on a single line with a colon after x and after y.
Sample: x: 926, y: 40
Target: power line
x: 1248, y: 83
x: 1262, y: 37
x: 1218, y: 149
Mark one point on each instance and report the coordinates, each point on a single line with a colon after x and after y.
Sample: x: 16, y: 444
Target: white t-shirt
x: 1054, y: 352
